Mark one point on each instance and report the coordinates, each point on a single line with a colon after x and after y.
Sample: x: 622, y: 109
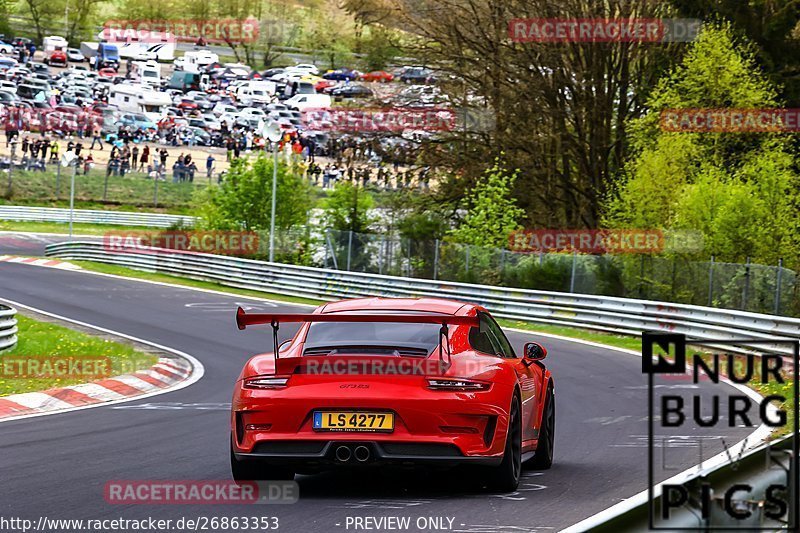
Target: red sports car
x: 376, y: 381
x: 377, y: 75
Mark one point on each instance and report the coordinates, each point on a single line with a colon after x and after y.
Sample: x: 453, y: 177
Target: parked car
x: 136, y: 121
x: 341, y: 74
x: 377, y: 75
x: 351, y: 91
x: 417, y: 75
x: 74, y: 55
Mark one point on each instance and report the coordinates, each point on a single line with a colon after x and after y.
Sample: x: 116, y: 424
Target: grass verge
x: 41, y: 341
x: 135, y: 190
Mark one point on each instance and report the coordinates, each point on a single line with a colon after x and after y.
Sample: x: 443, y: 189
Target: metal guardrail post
x: 349, y: 248
x: 436, y: 260
x: 778, y: 276
x: 572, y: 274
x: 711, y: 282
x: 58, y: 182
x: 746, y: 287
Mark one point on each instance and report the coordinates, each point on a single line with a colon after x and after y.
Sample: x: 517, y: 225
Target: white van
x: 301, y: 102
x: 255, y: 92
x: 139, y: 99
x: 54, y: 42
x: 149, y: 73
x: 194, y: 60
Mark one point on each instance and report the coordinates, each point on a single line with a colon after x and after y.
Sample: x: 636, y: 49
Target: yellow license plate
x: 353, y: 421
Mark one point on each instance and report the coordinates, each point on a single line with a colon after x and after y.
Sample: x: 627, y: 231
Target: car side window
x: 480, y: 339
x: 505, y: 348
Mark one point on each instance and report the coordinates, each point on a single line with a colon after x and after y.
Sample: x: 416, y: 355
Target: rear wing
x: 244, y: 319
x: 274, y: 319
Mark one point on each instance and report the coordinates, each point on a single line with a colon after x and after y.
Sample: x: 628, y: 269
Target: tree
x: 329, y: 29
x: 493, y: 212
x: 379, y: 48
x: 347, y: 209
x: 243, y: 200
x: 738, y: 189
x: 81, y: 13
x: 42, y: 13
x: 773, y: 27
x: 560, y: 109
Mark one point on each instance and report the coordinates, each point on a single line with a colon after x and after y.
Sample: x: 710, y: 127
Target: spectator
x: 134, y: 157
x: 209, y: 165
x: 145, y: 157
x: 97, y: 136
x: 54, y: 151
x: 191, y: 168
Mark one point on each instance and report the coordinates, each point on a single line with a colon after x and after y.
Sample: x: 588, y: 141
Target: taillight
x: 457, y: 385
x: 266, y: 382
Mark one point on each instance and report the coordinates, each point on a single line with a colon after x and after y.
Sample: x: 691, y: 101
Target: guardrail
x: 614, y: 315
x: 8, y: 327
x: 85, y: 216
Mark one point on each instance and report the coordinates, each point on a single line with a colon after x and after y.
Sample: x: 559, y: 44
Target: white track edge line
x: 198, y: 370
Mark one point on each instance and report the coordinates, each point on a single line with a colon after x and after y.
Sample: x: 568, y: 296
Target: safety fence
x: 609, y: 314
x: 8, y: 327
x: 121, y: 218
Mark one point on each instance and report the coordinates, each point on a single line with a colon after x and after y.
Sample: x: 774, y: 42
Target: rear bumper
x: 328, y: 454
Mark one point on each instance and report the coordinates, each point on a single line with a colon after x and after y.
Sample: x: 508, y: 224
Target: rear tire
x: 505, y: 476
x: 543, y: 458
x: 255, y: 470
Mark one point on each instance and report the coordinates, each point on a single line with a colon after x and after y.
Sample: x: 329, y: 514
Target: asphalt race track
x: 58, y: 465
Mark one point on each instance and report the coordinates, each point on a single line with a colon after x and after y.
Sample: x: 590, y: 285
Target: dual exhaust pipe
x: 360, y: 453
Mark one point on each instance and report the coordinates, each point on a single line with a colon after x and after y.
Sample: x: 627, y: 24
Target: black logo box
x: 678, y: 366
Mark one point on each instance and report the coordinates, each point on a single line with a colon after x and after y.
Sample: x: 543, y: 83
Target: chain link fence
x: 747, y: 287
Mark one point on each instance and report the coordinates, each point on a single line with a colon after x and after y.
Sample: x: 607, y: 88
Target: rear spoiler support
x: 274, y: 319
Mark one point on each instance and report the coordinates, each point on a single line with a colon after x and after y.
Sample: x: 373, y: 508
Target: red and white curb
x: 51, y: 263
x: 165, y: 374
x: 169, y: 374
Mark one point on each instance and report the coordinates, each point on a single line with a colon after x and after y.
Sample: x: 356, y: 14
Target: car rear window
x: 371, y: 337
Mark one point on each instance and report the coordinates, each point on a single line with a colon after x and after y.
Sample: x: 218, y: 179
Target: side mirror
x: 284, y: 344
x: 534, y: 351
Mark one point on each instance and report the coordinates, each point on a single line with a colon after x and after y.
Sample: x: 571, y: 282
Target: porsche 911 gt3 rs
x: 381, y: 381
